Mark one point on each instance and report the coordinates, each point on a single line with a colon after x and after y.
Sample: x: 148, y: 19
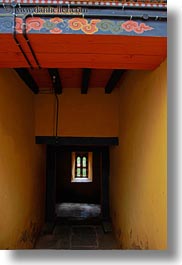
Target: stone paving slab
x: 77, y: 237
x: 84, y: 237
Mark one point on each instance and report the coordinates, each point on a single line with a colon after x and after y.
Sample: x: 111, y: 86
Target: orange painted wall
x: 21, y: 165
x: 138, y: 184
x: 94, y: 114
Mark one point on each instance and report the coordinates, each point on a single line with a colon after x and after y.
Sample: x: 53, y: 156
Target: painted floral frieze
x: 59, y: 25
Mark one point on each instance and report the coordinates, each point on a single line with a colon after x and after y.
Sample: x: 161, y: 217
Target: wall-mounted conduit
x: 26, y: 38
x: 15, y: 38
x: 28, y: 42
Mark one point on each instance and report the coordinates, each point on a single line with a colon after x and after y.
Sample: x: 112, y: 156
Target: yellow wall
x: 136, y: 112
x: 94, y: 114
x: 21, y: 165
x: 138, y: 165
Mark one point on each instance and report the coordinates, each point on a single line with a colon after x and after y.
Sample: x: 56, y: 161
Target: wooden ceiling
x: 84, y: 51
x: 81, y: 61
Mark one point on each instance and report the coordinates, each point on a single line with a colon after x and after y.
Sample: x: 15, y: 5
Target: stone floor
x: 78, y: 210
x: 76, y: 237
x: 77, y: 226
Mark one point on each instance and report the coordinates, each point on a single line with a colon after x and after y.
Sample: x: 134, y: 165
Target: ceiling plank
x: 28, y: 79
x: 85, y: 80
x: 56, y: 81
x: 85, y: 51
x: 99, y: 44
x: 113, y: 80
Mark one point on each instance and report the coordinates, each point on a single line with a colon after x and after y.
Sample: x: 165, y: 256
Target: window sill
x: 81, y: 180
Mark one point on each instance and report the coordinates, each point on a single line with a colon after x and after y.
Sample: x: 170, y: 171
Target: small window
x: 81, y: 167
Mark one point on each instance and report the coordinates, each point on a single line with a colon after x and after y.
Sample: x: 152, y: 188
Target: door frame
x: 51, y: 177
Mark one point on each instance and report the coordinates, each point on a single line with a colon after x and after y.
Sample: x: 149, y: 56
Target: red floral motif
x: 90, y: 28
x: 56, y: 20
x: 84, y: 25
x: 56, y: 30
x: 19, y: 22
x: 77, y: 23
x: 142, y: 27
x: 135, y: 26
x: 35, y: 23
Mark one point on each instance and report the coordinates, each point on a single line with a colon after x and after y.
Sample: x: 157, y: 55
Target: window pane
x: 84, y: 172
x: 78, y: 161
x: 78, y: 171
x: 84, y: 162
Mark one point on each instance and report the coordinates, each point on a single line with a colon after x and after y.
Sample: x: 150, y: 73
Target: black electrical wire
x: 57, y: 114
x: 16, y: 40
x: 28, y: 42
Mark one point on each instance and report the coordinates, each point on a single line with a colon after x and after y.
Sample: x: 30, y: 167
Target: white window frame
x: 89, y: 178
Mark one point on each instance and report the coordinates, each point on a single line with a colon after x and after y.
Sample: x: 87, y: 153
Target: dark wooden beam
x: 56, y: 81
x: 77, y: 141
x: 113, y: 80
x: 85, y: 80
x: 25, y: 75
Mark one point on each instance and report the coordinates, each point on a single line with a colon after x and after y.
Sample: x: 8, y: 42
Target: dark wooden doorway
x: 60, y: 189
x: 58, y: 185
